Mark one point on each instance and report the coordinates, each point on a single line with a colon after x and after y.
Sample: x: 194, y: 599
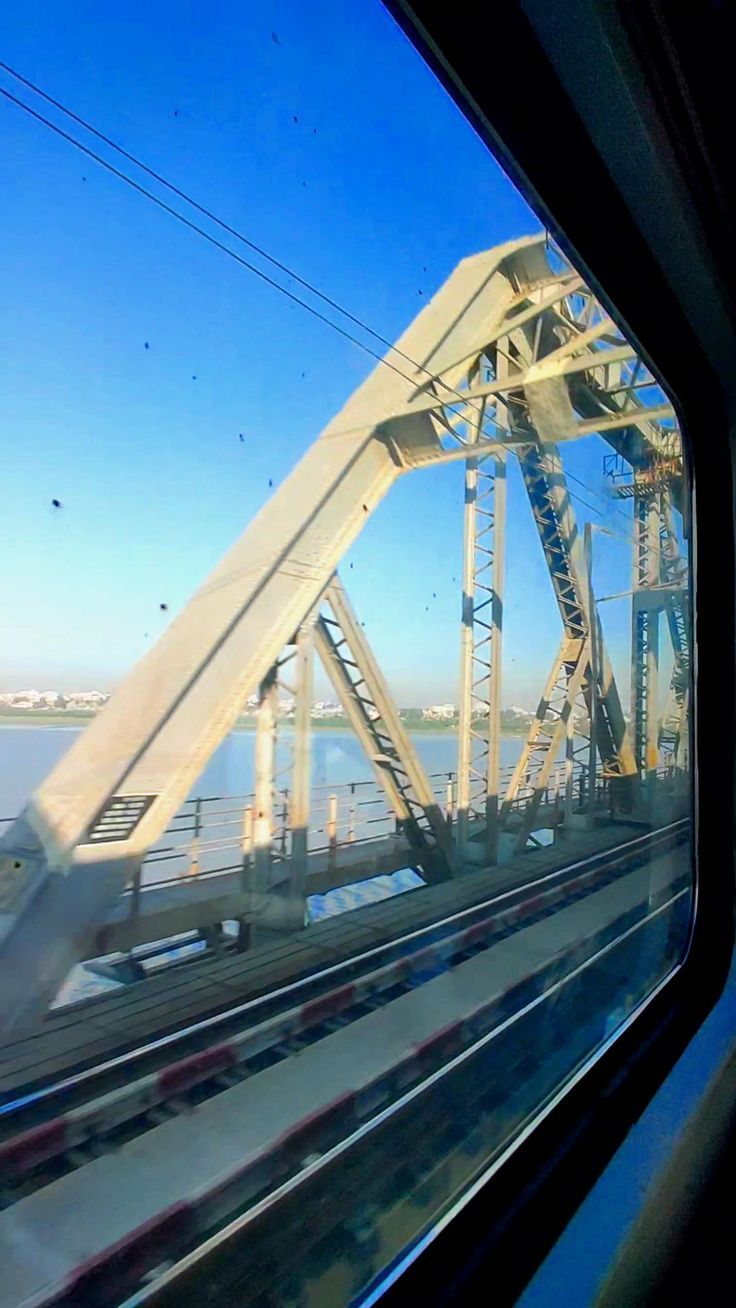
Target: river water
x: 27, y: 753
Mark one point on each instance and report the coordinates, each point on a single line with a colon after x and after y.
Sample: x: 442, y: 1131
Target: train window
x: 365, y: 833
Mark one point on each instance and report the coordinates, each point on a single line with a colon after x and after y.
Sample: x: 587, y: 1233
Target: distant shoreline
x: 45, y: 718
x: 41, y: 718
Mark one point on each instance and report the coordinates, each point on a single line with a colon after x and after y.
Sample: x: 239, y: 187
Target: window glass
x: 345, y: 768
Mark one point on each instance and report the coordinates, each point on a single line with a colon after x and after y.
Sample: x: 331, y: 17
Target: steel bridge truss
x: 480, y: 659
x: 511, y: 359
x: 333, y: 632
x: 659, y: 587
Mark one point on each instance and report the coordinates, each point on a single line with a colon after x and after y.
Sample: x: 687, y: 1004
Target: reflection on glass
x: 323, y: 875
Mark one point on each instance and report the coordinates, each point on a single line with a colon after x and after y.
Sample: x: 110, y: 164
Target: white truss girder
x: 84, y: 832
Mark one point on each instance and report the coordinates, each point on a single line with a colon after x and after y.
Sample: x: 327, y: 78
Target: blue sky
x: 379, y: 179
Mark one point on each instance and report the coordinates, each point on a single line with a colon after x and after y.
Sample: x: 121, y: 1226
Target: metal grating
x: 119, y: 818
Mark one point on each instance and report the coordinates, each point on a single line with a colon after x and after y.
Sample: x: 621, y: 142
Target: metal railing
x: 208, y: 828
x: 213, y: 834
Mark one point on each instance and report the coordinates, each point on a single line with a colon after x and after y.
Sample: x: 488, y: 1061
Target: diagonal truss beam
x: 541, y: 409
x: 555, y: 519
x: 369, y: 708
x: 548, y: 732
x: 553, y: 513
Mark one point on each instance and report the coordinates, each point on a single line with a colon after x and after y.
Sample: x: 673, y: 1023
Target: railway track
x: 139, y: 1175
x: 66, y: 1125
x: 349, y: 1129
x: 463, y: 1121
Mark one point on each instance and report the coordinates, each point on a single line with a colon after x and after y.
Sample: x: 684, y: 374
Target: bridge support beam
x: 365, y: 697
x: 265, y: 766
x: 646, y: 606
x: 479, y: 725
x: 673, y: 733
x: 480, y: 660
x: 302, y: 769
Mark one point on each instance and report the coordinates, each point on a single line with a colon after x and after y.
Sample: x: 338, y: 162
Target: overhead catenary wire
x: 207, y: 213
x: 247, y: 264
x: 233, y: 231
x: 207, y: 236
x: 200, y: 231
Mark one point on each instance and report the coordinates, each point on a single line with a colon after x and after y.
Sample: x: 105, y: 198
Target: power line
x: 207, y: 213
x: 570, y: 476
x: 200, y: 231
x: 630, y: 540
x: 245, y: 263
x: 232, y: 231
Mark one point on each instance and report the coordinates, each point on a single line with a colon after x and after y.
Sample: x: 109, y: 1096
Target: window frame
x: 499, y: 1236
